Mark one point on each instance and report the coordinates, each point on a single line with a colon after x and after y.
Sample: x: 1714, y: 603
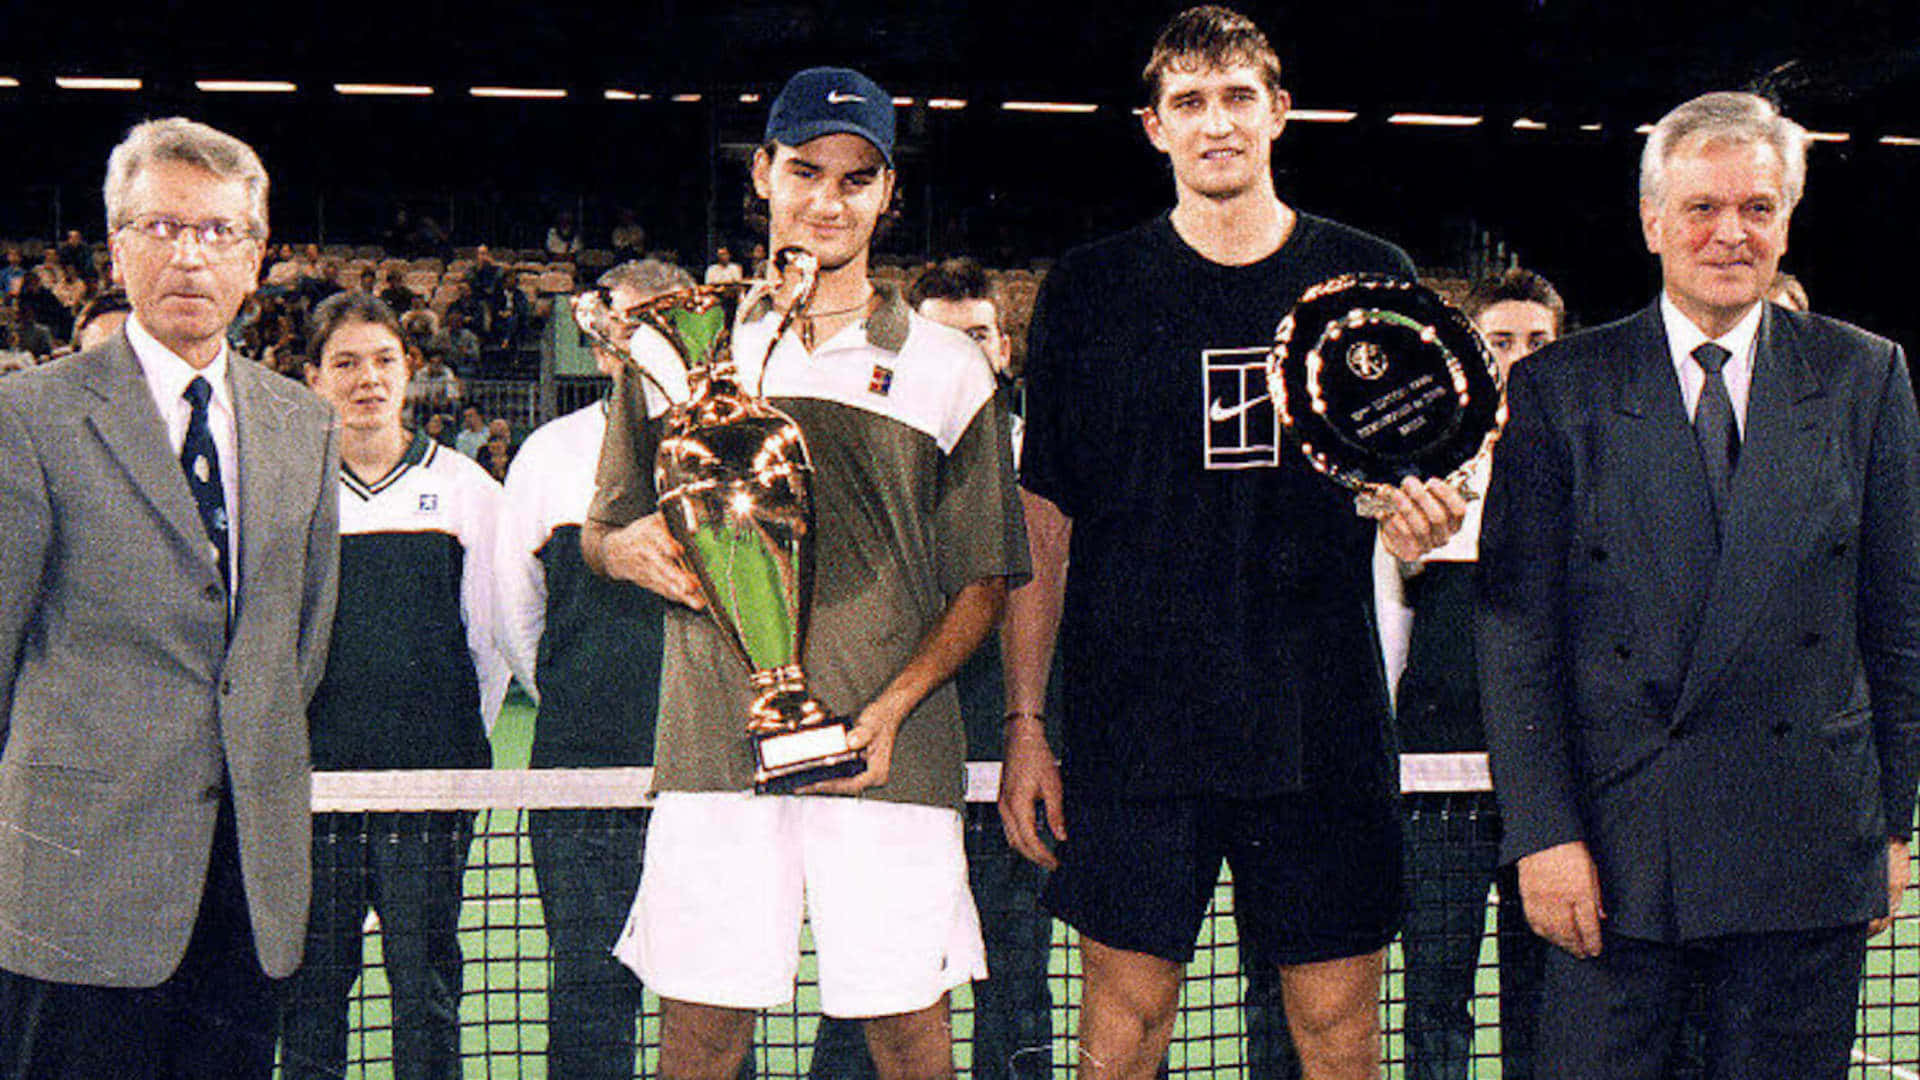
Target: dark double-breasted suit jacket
x: 1728, y: 715
x: 126, y: 704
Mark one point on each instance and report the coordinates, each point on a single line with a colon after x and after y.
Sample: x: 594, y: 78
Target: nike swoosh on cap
x: 840, y: 97
x: 1217, y: 410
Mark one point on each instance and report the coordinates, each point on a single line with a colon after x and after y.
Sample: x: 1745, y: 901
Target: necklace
x: 807, y: 319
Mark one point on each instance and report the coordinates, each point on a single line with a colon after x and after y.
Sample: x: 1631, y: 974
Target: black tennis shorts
x: 1313, y: 879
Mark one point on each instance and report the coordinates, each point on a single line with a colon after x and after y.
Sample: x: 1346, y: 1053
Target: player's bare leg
x: 1127, y: 1008
x: 703, y: 1042
x: 912, y: 1046
x: 1333, y: 1010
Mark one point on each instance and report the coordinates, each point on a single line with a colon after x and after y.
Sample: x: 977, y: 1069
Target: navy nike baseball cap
x: 826, y: 100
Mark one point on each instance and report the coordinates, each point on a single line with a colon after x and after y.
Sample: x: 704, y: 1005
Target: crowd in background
x: 473, y: 317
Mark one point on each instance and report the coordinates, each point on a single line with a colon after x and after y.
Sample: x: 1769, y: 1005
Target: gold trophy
x: 733, y: 474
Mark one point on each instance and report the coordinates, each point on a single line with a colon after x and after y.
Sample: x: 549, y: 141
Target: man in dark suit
x: 168, y: 552
x: 1700, y: 636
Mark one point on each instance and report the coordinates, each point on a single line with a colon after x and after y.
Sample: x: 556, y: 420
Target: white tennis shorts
x: 729, y: 875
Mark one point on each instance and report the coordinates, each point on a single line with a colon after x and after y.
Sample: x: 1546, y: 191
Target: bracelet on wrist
x: 1024, y: 724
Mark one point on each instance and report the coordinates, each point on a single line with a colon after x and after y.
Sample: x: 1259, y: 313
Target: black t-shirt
x: 1218, y: 634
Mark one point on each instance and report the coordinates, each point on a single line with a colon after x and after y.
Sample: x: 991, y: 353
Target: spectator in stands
x: 563, y: 236
x: 72, y: 290
x: 1696, y: 623
x: 12, y: 356
x: 473, y: 432
x: 275, y: 339
x: 36, y: 303
x: 724, y: 269
x: 433, y: 388
x: 421, y: 326
x: 77, y: 256
x: 882, y: 877
x: 497, y: 455
x: 317, y: 278
x: 101, y: 319
x: 414, y: 680
x: 11, y: 274
x: 588, y: 649
x: 31, y: 336
x: 397, y: 296
x: 509, y: 324
x: 483, y: 281
x: 1224, y: 696
x: 759, y: 260
x: 629, y: 240
x: 456, y: 342
x: 306, y: 261
x: 1453, y: 851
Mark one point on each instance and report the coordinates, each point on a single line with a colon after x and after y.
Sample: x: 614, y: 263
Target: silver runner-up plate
x: 1379, y: 379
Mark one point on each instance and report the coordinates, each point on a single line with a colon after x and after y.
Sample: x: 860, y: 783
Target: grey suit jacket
x: 1731, y: 724
x: 123, y: 701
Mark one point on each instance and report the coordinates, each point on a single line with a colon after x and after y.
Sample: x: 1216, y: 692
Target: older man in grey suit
x: 168, y: 552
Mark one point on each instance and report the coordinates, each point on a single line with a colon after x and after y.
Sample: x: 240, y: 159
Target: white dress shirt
x: 167, y: 377
x: 1683, y: 337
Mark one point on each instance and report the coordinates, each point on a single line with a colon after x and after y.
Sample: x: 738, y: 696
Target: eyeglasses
x: 218, y: 236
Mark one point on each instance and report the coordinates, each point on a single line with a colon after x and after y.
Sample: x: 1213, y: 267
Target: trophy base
x: 790, y: 760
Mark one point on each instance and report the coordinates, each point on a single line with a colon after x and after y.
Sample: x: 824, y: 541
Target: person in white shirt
x: 724, y: 269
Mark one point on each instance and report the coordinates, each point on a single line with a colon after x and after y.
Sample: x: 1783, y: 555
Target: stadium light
x: 95, y: 82
x: 620, y: 95
x: 522, y: 92
x: 1323, y: 116
x: 1049, y: 107
x: 902, y: 102
x: 1526, y: 124
x: 244, y: 86
x: 685, y: 99
x: 8, y: 81
x: 1829, y: 136
x: 1422, y: 119
x: 946, y: 103
x: 1899, y: 140
x: 749, y: 99
x: 383, y: 89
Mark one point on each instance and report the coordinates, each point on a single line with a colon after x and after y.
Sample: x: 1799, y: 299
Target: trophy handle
x: 794, y: 268
x: 592, y: 311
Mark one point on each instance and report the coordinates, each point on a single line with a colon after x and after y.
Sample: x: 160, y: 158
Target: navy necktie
x: 202, y: 465
x: 1714, y: 427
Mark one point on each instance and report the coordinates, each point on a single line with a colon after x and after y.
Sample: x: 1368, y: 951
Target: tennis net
x: 469, y: 957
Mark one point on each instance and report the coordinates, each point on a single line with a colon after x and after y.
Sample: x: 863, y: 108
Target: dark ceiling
x: 1010, y: 187
x: 1840, y: 63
